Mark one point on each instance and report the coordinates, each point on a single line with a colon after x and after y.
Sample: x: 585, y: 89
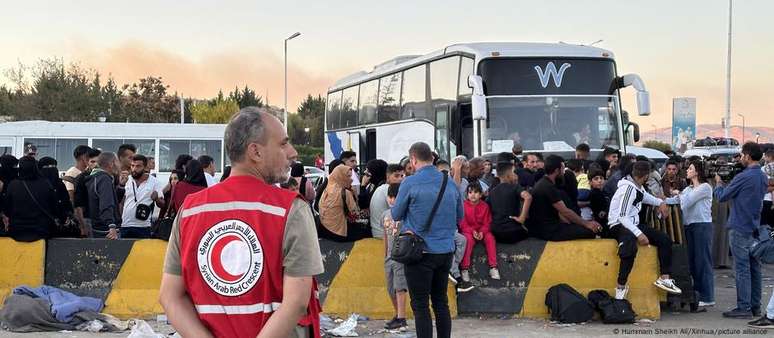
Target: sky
x: 199, y: 47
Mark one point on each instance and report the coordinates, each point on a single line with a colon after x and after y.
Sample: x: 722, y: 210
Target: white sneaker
x: 707, y: 304
x: 465, y: 276
x: 621, y: 293
x: 452, y: 279
x: 494, y: 273
x: 667, y: 285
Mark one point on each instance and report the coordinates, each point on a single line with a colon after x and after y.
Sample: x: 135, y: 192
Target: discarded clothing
x: 64, y: 305
x: 23, y: 313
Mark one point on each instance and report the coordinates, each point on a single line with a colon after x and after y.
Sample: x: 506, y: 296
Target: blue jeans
x: 748, y: 271
x: 135, y: 232
x: 459, y: 251
x: 699, y: 236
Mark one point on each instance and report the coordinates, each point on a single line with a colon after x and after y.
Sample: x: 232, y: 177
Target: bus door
x: 442, y: 131
x: 464, y: 129
x: 370, y: 148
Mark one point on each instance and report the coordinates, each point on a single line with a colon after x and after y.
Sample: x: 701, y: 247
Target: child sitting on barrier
x: 599, y: 204
x: 475, y: 227
x: 394, y: 272
x: 625, y: 228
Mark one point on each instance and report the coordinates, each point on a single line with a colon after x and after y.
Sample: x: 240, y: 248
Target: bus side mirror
x: 643, y: 96
x: 477, y: 100
x: 633, y: 129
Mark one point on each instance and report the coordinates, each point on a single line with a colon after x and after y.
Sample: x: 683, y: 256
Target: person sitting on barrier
x: 510, y: 206
x: 30, y: 204
x: 582, y: 152
x: 619, y: 171
x: 459, y: 174
x: 374, y: 176
x: 379, y: 199
x: 475, y: 226
x: 569, y: 185
x: 394, y: 272
x: 338, y: 209
x: 455, y: 277
x: 599, y: 203
x: 104, y: 210
x: 476, y: 175
x: 550, y: 219
x: 488, y: 178
x: 653, y: 185
x: 625, y: 227
x: 580, y: 168
x: 696, y: 204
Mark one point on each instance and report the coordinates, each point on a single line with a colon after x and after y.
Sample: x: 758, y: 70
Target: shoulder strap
x: 34, y: 200
x: 437, y: 201
x: 344, y: 202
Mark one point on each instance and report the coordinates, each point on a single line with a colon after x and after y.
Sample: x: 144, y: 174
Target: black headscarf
x: 28, y: 168
x: 378, y: 170
x: 194, y: 173
x: 47, y: 168
x: 9, y: 170
x: 180, y: 163
x: 335, y: 163
x: 226, y: 173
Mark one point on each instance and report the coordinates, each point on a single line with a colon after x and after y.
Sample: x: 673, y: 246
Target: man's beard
x: 137, y: 176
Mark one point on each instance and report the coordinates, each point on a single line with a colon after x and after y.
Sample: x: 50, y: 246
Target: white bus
x: 163, y: 141
x: 480, y: 99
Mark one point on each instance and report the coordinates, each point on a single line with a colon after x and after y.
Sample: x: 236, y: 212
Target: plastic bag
x: 142, y: 329
x: 347, y: 328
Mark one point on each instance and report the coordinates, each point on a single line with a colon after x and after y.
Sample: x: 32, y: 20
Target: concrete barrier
x: 127, y: 274
x: 22, y: 264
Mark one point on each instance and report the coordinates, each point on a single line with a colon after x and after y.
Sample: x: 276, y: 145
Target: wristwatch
x: 112, y: 226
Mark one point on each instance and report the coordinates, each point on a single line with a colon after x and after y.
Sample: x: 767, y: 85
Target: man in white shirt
x: 208, y: 164
x: 142, y: 192
x: 81, y: 155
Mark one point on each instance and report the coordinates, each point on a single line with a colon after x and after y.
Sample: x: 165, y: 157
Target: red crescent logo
x: 217, y: 263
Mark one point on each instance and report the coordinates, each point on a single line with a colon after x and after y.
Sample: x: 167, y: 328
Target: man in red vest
x: 243, y: 254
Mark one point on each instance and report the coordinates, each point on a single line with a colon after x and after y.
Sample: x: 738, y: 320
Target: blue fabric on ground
x: 64, y: 305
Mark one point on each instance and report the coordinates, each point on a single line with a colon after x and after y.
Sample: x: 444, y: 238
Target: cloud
x: 202, y: 77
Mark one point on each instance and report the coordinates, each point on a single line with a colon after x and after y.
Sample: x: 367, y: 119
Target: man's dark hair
x: 94, y: 152
x: 421, y: 151
x: 609, y: 151
x: 80, y: 151
x: 552, y: 164
x: 124, y: 147
x: 440, y: 163
x: 642, y: 158
x: 474, y: 187
x: 505, y: 157
x: 539, y: 156
x: 392, y: 190
x: 393, y: 168
x: 346, y: 154
x: 526, y: 156
x: 334, y: 163
x: 575, y: 165
x: 640, y: 169
x: 206, y: 160
x: 594, y: 172
x: 517, y: 149
x: 672, y: 161
x: 181, y: 161
x: 138, y: 157
x: 770, y: 153
x: 583, y: 147
x: 753, y: 150
x: 503, y: 168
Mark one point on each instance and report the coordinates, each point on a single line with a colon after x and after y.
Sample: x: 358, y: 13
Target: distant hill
x: 714, y: 130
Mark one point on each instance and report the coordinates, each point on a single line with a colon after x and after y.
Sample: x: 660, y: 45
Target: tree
x: 218, y: 110
x: 658, y: 145
x: 311, y: 114
x: 147, y: 101
x: 246, y: 98
x: 312, y: 107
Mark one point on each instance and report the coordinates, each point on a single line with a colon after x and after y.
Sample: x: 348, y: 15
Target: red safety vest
x: 231, y: 255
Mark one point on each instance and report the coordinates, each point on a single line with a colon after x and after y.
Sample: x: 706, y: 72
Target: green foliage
x: 310, y: 115
x: 312, y: 107
x: 246, y: 98
x: 218, y: 110
x: 306, y: 154
x: 658, y: 145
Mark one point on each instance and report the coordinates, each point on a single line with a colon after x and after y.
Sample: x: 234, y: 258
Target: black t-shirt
x: 505, y: 201
x: 599, y: 205
x: 570, y: 186
x: 526, y: 177
x: 80, y: 195
x: 543, y: 217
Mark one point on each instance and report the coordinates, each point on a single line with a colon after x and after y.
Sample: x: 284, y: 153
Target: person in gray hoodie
x: 103, y: 202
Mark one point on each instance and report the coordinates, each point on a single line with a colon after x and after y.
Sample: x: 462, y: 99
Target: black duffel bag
x: 613, y: 311
x: 566, y: 305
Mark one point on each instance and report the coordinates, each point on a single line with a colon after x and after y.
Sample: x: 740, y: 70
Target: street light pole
x: 285, y: 110
x: 743, y: 127
x: 728, y: 73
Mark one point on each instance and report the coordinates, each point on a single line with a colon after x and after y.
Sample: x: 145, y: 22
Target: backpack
x: 613, y: 311
x: 566, y: 305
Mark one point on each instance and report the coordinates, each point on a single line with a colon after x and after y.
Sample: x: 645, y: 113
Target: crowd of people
x: 103, y: 195
x: 515, y: 196
x: 452, y: 206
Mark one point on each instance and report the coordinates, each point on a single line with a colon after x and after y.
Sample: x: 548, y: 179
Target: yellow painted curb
x: 588, y: 265
x: 360, y: 286
x: 23, y: 264
x: 135, y: 291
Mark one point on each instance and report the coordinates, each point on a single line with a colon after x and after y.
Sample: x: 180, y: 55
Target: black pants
x: 427, y: 280
x: 509, y: 233
x: 355, y: 232
x: 566, y: 232
x: 628, y: 246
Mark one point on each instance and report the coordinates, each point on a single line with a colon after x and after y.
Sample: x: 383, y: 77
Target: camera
x: 726, y: 170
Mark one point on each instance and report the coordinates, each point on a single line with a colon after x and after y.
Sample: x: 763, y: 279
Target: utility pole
x: 182, y: 109
x: 728, y: 72
x: 286, y: 79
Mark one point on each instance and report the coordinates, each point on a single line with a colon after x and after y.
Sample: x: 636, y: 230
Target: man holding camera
x: 746, y: 191
x: 142, y: 191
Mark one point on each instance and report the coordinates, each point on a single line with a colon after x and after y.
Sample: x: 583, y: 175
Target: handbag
x: 407, y: 247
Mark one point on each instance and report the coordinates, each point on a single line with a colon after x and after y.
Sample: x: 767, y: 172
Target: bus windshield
x: 550, y: 122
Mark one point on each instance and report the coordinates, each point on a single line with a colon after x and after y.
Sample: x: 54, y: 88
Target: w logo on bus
x: 545, y: 76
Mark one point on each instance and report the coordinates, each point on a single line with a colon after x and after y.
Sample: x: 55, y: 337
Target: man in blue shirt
x: 746, y: 192
x: 427, y: 278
